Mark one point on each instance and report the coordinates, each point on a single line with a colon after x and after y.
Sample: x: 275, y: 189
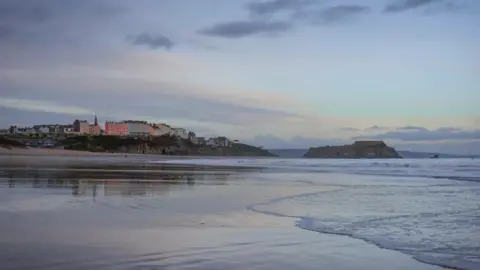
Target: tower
x: 95, y: 123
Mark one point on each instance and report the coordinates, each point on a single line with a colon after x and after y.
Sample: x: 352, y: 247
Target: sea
x: 425, y: 209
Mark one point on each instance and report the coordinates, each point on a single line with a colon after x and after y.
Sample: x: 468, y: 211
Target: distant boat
x: 434, y: 156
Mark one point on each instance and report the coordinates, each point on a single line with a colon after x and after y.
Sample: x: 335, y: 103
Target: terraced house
x: 129, y: 128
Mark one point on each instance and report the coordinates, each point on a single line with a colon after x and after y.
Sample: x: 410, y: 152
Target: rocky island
x: 359, y: 149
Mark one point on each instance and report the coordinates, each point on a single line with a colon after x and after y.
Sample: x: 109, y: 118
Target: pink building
x: 129, y: 128
x: 116, y: 128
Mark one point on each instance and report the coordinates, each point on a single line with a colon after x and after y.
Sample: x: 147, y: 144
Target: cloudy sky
x: 277, y: 73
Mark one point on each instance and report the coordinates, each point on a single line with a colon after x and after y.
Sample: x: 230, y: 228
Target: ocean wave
x: 437, y: 225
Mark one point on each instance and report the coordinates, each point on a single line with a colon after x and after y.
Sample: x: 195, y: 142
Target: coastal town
x: 44, y: 135
x: 136, y: 136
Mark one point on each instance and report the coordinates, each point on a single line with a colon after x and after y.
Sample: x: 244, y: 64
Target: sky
x: 275, y: 73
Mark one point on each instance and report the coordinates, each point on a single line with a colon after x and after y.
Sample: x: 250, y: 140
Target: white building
x: 180, y: 132
x: 211, y: 142
x: 21, y: 130
x: 219, y: 142
x: 67, y: 129
x: 162, y: 129
x: 42, y: 128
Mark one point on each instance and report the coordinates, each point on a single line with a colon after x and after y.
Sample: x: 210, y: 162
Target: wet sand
x: 116, y: 214
x: 52, y: 152
x: 45, y: 152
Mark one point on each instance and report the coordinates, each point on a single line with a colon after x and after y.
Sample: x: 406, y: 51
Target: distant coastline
x: 299, y: 153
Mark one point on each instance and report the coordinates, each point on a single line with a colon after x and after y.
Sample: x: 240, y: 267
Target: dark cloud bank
x: 301, y: 12
x: 152, y: 41
x: 298, y: 12
x: 341, y: 12
x: 17, y: 15
x: 245, y: 28
x: 404, y: 5
x: 269, y: 7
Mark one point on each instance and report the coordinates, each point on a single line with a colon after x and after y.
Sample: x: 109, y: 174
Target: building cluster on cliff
x: 126, y: 128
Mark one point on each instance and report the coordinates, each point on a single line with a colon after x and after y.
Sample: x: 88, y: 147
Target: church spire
x: 96, y: 120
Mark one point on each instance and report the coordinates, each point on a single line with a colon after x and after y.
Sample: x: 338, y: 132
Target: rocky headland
x: 359, y: 149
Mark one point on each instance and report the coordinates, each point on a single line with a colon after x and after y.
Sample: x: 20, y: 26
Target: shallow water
x: 429, y: 209
x: 239, y: 214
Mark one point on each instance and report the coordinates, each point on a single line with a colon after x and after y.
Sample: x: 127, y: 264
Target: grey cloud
x: 456, y: 148
x: 109, y: 9
x: 334, y: 14
x: 404, y: 5
x: 30, y: 21
x: 173, y: 106
x: 31, y: 11
x: 152, y: 41
x: 26, y: 118
x: 296, y: 142
x: 24, y: 11
x: 349, y: 129
x: 298, y: 12
x: 241, y: 29
x: 449, y: 129
x: 423, y: 134
x: 151, y: 101
x: 375, y: 128
x: 412, y: 128
x: 274, y: 6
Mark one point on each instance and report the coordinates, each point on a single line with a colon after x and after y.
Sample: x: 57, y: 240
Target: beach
x: 29, y: 151
x: 105, y: 212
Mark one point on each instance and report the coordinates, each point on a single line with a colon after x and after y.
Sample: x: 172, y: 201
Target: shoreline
x: 106, y: 205
x: 51, y: 152
x: 30, y: 152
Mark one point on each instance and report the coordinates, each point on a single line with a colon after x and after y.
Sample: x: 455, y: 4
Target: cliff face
x: 9, y: 143
x: 237, y: 149
x: 163, y: 145
x: 359, y: 149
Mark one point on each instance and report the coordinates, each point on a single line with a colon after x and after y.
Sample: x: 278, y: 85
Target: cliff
x: 359, y: 149
x: 10, y: 143
x: 163, y: 145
